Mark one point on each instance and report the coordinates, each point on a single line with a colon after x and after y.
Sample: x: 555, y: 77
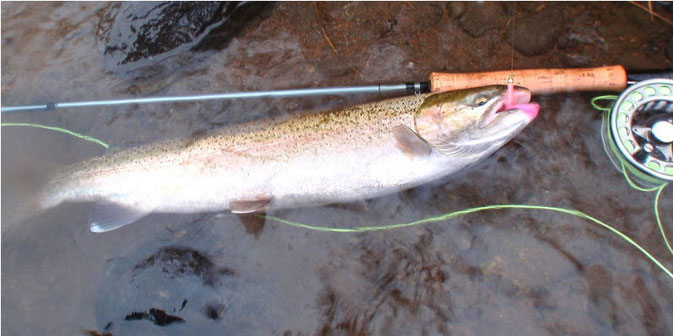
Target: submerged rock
x: 537, y: 33
x: 576, y: 60
x: 134, y: 35
x: 478, y: 18
x: 176, y: 287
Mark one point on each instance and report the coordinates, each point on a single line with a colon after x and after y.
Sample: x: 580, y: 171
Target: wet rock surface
x: 497, y: 272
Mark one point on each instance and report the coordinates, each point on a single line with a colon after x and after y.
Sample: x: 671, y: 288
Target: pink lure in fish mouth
x: 517, y: 98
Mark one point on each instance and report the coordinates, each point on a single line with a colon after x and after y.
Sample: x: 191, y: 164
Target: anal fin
x: 106, y: 216
x: 250, y: 206
x: 410, y: 143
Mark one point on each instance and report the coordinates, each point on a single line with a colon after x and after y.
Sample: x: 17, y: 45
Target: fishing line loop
x: 595, y: 100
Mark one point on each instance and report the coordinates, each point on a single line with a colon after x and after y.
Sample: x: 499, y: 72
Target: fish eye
x: 480, y: 101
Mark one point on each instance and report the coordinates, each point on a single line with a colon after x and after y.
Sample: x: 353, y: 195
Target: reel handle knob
x: 663, y: 131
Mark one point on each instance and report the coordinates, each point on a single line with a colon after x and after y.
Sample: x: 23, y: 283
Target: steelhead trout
x: 334, y: 156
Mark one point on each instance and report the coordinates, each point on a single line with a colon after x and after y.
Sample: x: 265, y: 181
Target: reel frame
x: 640, y: 151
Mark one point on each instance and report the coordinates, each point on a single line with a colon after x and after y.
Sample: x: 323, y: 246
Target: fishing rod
x: 538, y: 81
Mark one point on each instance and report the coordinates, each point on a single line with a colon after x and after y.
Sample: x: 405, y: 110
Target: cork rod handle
x: 538, y: 81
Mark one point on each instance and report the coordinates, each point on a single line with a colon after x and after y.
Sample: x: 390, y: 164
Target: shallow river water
x: 506, y: 272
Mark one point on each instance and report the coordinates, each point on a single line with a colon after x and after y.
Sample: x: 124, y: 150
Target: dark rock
x: 158, y: 316
x: 581, y: 36
x: 96, y: 333
x: 568, y: 42
x: 537, y: 33
x: 333, y: 67
x: 182, y: 262
x: 513, y: 8
x: 666, y: 5
x: 510, y: 8
x: 574, y: 60
x: 640, y: 17
x: 233, y: 23
x: 610, y: 29
x: 213, y: 311
x: 653, y: 48
x: 455, y: 8
x: 478, y: 18
x: 530, y: 6
x: 134, y: 35
x: 669, y: 49
x: 634, y: 59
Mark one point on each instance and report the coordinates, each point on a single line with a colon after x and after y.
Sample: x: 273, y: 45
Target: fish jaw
x: 516, y: 98
x: 519, y: 98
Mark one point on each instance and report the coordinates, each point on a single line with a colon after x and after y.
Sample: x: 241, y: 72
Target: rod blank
x: 379, y: 88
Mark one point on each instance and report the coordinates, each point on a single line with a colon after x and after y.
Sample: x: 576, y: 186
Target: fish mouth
x: 515, y: 99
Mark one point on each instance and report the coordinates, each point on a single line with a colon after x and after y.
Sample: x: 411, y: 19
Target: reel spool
x: 638, y: 134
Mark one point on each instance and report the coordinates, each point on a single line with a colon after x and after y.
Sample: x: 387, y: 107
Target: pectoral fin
x: 106, y: 216
x: 410, y: 143
x: 244, y: 207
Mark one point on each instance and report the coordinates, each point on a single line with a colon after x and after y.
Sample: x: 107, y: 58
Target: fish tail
x: 50, y: 194
x: 46, y: 199
x: 27, y: 207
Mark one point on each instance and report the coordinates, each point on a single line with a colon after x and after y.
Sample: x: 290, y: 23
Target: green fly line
x: 450, y: 215
x: 62, y: 130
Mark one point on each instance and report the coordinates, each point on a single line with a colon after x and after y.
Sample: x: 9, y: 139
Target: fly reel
x: 638, y: 132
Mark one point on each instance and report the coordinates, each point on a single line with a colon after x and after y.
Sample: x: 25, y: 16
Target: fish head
x: 474, y: 122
